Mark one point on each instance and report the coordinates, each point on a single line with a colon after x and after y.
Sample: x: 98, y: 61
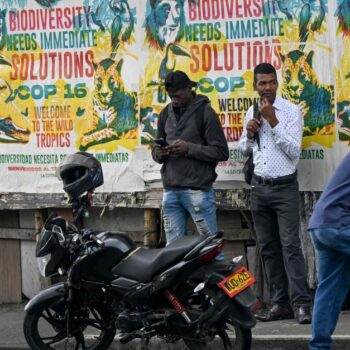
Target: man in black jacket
x: 193, y: 143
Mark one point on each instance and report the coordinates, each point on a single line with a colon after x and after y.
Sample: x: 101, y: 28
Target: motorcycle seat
x: 144, y: 264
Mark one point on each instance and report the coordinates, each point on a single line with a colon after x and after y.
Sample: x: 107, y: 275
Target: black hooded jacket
x: 196, y: 169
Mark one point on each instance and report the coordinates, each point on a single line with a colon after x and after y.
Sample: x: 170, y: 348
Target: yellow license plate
x: 238, y: 281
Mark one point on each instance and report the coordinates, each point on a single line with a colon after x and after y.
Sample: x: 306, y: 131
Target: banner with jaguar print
x: 88, y: 75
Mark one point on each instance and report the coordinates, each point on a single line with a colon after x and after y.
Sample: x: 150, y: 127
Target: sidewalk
x: 279, y: 335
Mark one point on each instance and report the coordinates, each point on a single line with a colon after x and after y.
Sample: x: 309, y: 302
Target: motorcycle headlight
x: 42, y: 264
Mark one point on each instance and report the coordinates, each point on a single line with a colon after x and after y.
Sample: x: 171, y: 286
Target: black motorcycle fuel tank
x: 122, y: 244
x: 95, y: 265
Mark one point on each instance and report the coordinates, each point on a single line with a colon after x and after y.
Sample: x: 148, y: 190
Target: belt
x: 276, y: 180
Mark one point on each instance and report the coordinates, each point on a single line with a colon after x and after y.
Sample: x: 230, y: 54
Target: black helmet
x: 80, y: 172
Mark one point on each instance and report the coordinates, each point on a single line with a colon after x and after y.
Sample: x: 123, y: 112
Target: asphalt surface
x: 278, y: 335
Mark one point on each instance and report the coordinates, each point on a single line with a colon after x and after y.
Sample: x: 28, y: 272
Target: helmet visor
x: 73, y: 161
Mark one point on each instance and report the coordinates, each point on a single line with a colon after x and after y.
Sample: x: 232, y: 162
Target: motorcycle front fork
x: 68, y: 315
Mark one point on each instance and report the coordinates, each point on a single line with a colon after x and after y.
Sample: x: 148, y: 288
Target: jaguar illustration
x: 301, y: 86
x: 114, y: 114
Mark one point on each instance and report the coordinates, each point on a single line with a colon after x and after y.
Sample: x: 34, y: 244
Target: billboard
x: 87, y: 75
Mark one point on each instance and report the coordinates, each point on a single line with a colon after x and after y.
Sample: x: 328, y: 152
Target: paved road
x: 279, y: 335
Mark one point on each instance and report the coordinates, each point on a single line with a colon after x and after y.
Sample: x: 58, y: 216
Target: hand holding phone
x: 179, y: 147
x: 161, y: 142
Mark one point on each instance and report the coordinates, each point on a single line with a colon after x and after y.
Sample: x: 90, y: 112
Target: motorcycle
x: 114, y: 290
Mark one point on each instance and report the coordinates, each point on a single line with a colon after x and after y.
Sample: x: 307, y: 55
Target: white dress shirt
x: 280, y: 146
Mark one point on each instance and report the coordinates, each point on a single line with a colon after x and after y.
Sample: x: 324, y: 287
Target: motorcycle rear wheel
x: 229, y: 336
x: 46, y: 330
x: 241, y: 340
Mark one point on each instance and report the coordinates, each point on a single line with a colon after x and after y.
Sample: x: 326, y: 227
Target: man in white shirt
x: 275, y: 140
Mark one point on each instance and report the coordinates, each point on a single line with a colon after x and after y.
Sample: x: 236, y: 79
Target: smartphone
x: 161, y: 142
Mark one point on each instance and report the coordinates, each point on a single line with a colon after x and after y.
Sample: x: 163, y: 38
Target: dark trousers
x: 275, y: 211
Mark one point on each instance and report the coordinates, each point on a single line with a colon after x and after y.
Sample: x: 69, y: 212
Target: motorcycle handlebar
x: 96, y: 240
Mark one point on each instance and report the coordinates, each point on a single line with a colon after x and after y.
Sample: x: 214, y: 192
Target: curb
x: 260, y: 342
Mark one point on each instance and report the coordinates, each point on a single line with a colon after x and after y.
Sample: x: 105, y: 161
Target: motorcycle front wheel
x: 228, y: 335
x: 44, y: 329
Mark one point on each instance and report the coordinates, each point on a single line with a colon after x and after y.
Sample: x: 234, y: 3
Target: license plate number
x: 237, y: 282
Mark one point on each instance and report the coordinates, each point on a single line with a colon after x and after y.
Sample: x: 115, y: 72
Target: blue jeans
x: 333, y: 272
x: 178, y: 205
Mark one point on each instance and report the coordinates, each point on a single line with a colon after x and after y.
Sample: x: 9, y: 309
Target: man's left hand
x: 268, y: 112
x: 178, y: 147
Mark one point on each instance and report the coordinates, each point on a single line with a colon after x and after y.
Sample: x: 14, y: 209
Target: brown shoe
x: 276, y: 312
x: 302, y: 314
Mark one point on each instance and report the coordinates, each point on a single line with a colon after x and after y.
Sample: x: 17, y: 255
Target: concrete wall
x: 130, y: 221
x: 125, y: 220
